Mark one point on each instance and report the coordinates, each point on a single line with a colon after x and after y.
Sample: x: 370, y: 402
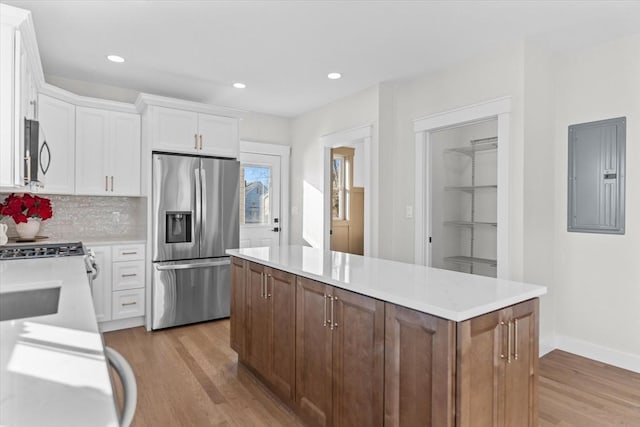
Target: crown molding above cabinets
x: 145, y: 99
x: 85, y: 101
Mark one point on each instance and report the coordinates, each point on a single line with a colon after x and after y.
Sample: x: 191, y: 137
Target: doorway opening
x: 349, y: 156
x: 347, y: 200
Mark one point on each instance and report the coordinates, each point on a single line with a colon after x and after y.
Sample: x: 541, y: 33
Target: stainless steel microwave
x: 37, y: 156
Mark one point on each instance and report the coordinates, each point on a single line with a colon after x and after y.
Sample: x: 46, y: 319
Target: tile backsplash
x: 91, y: 218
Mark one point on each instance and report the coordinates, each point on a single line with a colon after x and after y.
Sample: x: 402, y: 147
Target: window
x: 340, y: 186
x: 255, y: 187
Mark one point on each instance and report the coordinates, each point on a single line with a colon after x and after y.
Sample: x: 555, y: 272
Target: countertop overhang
x: 53, y: 369
x: 443, y: 293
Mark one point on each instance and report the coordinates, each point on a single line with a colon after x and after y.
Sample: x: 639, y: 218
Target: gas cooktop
x: 41, y: 251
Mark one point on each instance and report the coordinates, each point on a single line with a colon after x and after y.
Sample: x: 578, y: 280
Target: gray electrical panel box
x: 596, y: 176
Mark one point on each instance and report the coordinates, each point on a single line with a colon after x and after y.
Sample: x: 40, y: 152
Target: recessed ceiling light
x: 334, y: 76
x: 239, y: 85
x: 115, y: 58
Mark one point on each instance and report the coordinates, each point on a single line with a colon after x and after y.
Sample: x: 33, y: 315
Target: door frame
x: 499, y: 109
x: 284, y: 152
x: 348, y: 138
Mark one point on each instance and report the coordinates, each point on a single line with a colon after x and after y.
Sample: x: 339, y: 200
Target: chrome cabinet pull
x: 128, y: 303
x: 195, y: 137
x: 334, y: 324
x: 515, y: 339
x: 106, y: 183
x: 129, y: 253
x: 325, y: 310
x: 201, y: 141
x: 112, y: 183
x: 129, y: 275
x: 502, y: 353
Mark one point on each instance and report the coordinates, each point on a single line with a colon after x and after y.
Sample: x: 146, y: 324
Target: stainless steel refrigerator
x: 195, y: 219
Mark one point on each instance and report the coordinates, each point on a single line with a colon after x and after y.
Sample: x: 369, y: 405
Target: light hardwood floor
x: 188, y: 376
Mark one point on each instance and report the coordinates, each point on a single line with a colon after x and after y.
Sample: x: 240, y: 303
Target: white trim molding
x: 423, y: 127
x: 145, y: 99
x: 346, y: 138
x: 284, y: 152
x: 597, y: 352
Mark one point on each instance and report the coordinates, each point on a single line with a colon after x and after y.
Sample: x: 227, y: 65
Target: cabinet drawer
x: 128, y: 252
x: 128, y: 303
x: 128, y: 275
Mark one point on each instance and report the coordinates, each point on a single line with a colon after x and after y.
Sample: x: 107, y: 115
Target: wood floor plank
x: 190, y: 376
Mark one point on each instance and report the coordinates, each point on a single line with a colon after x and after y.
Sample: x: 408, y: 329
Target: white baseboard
x: 547, y: 344
x: 114, y: 325
x: 589, y: 350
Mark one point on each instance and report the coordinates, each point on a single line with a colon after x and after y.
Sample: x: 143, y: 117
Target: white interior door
x: 260, y: 196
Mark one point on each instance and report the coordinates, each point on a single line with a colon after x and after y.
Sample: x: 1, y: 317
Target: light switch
x: 408, y: 211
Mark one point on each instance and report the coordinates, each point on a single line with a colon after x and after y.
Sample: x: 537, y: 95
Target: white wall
x: 268, y: 128
x: 597, y: 277
x: 539, y: 184
x: 307, y: 159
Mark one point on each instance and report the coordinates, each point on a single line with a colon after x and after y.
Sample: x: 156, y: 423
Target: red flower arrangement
x: 21, y: 208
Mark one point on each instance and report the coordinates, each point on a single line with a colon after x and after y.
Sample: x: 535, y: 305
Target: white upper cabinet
x: 57, y: 160
x: 218, y: 135
x: 183, y: 131
x: 174, y: 130
x: 107, y: 152
x: 124, y: 155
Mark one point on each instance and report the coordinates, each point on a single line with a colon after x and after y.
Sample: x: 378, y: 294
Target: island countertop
x: 53, y: 368
x: 443, y: 293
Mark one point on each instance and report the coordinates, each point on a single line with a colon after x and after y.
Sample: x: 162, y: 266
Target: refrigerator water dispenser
x: 178, y: 227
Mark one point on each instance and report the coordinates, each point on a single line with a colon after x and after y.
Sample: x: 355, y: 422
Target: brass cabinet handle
x: 324, y: 298
x: 266, y: 286
x: 112, y: 183
x: 195, y: 137
x: 509, y: 344
x: 515, y: 339
x: 106, y: 183
x: 502, y: 353
x: 201, y: 141
x: 262, y: 285
x: 334, y: 324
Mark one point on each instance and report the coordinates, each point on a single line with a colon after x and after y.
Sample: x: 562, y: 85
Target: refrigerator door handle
x: 187, y: 266
x: 198, y: 221
x: 203, y: 209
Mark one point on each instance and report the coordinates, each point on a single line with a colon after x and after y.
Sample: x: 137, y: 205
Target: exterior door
x: 259, y: 200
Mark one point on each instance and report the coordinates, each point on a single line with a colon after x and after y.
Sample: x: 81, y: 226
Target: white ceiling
x: 283, y: 50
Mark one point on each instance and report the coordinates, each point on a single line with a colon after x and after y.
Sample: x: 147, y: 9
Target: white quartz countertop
x: 443, y: 293
x: 53, y: 370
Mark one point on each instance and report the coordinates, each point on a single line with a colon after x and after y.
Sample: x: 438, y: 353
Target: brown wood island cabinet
x: 339, y: 358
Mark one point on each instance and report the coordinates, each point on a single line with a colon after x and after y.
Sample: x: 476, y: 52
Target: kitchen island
x: 351, y: 340
x: 53, y: 369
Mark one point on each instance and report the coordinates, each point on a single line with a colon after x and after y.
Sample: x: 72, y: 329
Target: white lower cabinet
x: 118, y: 291
x: 129, y: 303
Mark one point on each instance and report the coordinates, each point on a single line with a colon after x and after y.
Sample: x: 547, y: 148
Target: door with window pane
x: 259, y: 200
